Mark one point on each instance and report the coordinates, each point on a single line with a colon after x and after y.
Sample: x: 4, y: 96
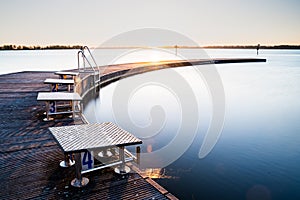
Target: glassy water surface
x: 257, y: 155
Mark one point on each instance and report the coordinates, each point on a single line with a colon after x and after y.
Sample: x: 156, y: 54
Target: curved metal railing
x: 86, y: 60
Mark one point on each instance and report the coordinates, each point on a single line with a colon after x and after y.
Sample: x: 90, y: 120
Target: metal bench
x: 52, y: 99
x: 85, y: 140
x: 64, y: 74
x: 55, y: 82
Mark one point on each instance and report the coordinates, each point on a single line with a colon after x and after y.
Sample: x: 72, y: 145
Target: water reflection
x: 156, y: 173
x: 257, y: 155
x: 167, y: 119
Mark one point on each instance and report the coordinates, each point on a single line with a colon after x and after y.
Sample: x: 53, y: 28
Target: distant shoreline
x: 255, y: 47
x: 49, y: 47
x: 21, y: 47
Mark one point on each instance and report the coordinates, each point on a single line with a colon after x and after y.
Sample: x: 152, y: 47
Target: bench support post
x: 68, y: 161
x: 122, y: 169
x: 79, y: 181
x: 138, y: 155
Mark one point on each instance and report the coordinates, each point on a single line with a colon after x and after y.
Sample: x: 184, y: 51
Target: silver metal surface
x: 68, y: 161
x: 66, y: 164
x: 92, y: 136
x: 120, y: 170
x: 79, y: 183
x: 59, y: 81
x: 58, y: 96
x: 67, y: 73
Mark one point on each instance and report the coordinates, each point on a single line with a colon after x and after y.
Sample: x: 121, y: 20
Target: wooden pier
x: 29, y: 155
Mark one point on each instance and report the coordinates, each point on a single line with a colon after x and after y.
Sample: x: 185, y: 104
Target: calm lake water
x: 257, y: 155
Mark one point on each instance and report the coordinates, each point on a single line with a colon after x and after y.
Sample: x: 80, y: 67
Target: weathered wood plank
x: 29, y: 155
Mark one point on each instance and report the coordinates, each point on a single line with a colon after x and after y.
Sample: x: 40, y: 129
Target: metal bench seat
x: 52, y: 100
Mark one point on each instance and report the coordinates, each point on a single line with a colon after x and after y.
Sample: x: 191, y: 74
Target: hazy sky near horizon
x: 92, y: 22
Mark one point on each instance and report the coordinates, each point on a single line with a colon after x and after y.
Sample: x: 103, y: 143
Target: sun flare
x: 153, y: 55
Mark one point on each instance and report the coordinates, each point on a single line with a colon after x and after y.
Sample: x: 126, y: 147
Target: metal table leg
x: 67, y: 162
x: 79, y: 181
x: 122, y: 169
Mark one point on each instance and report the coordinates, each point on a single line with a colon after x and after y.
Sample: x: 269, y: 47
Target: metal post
x: 83, y: 60
x: 47, y: 109
x: 78, y: 166
x: 122, y: 158
x: 138, y: 155
x: 122, y: 169
x: 68, y: 161
x: 69, y: 87
x: 75, y: 86
x: 80, y: 107
x: 79, y: 181
x: 78, y: 61
x: 73, y: 109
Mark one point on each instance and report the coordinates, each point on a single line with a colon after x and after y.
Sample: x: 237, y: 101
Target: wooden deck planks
x: 29, y: 156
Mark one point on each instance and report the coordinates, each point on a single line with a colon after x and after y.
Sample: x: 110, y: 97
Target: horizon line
x: 56, y: 46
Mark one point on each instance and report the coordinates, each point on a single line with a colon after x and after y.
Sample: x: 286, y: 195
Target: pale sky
x: 92, y: 22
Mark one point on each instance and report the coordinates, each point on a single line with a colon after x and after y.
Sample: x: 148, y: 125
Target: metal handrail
x: 84, y: 59
x: 86, y: 47
x: 87, y: 60
x: 91, y: 55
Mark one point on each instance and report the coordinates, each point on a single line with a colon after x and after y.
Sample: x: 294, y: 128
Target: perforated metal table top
x: 58, y: 96
x: 78, y: 138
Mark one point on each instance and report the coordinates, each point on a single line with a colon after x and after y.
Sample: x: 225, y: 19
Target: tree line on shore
x: 20, y: 47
